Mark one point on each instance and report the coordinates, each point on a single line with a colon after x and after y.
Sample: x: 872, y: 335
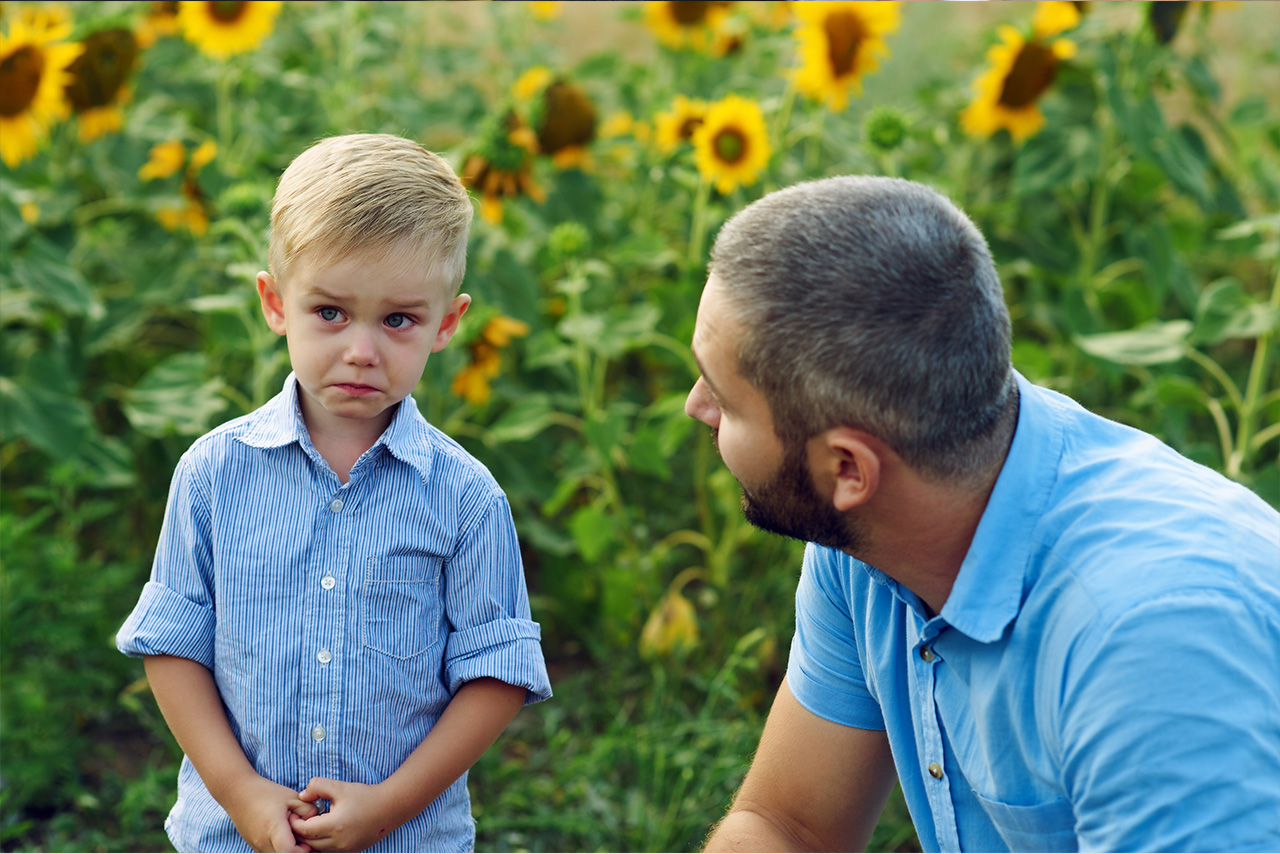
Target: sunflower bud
x: 671, y: 628
x: 885, y: 129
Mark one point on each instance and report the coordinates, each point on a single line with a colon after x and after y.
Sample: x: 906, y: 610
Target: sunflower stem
x: 1253, y: 390
x: 223, y: 86
x: 699, y: 229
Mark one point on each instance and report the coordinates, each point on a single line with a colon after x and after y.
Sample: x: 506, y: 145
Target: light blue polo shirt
x: 1105, y: 674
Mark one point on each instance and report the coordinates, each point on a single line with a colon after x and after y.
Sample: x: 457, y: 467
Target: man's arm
x: 361, y: 814
x: 189, y: 700
x: 814, y: 785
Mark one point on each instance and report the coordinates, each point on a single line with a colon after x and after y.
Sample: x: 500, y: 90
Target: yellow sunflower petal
x: 223, y: 29
x: 166, y: 158
x: 1053, y: 17
x: 34, y: 74
x: 531, y: 82
x: 732, y: 146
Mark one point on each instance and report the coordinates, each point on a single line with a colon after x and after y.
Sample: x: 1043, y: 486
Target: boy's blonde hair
x: 371, y: 192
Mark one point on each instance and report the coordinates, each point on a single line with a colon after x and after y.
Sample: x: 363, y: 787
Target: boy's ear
x: 272, y: 304
x: 449, y: 324
x: 849, y: 466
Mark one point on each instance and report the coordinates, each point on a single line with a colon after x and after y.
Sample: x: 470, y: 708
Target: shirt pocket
x: 1048, y: 826
x: 401, y: 603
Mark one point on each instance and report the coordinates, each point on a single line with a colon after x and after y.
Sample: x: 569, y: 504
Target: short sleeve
x: 824, y: 671
x: 1170, y: 728
x: 487, y: 605
x: 175, y: 613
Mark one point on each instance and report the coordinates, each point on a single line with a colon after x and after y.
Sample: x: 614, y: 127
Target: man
x: 1055, y: 632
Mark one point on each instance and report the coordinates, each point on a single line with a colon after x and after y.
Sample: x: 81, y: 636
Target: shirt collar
x: 279, y: 422
x: 987, y: 593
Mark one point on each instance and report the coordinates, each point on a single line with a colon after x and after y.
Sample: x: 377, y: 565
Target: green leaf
x: 1226, y: 311
x: 1152, y: 344
x: 604, y: 431
x: 591, y: 530
x: 51, y: 420
x: 174, y: 397
x: 526, y: 419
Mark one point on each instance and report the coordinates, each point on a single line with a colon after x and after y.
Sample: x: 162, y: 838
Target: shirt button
x: 327, y: 582
x: 335, y: 505
x: 318, y: 733
x: 935, y: 770
x: 926, y: 653
x: 324, y: 656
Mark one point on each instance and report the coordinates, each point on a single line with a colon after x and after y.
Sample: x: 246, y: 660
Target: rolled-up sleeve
x: 175, y: 614
x: 492, y: 633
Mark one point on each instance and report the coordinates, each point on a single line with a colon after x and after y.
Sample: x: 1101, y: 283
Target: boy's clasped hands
x: 272, y: 817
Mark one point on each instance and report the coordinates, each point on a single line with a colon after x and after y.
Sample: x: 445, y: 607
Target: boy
x: 336, y: 626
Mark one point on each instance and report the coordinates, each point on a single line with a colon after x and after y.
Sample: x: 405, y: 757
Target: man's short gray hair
x: 873, y: 303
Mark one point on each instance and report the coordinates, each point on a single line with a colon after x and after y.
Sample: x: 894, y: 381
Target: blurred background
x: 1122, y: 159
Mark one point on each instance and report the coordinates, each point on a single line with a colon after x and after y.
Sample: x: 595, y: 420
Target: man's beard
x: 789, y: 504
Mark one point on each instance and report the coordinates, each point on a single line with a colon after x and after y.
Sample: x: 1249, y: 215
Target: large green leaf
x: 175, y: 397
x: 1152, y: 344
x: 49, y: 419
x: 1226, y: 311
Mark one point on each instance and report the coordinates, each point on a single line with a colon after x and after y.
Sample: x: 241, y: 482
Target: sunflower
x: 681, y: 24
x: 530, y: 84
x: 194, y: 213
x: 501, y: 165
x: 161, y: 20
x: 839, y: 43
x: 731, y: 146
x: 565, y: 119
x: 1021, y: 71
x: 165, y: 160
x: 34, y: 74
x: 678, y: 125
x: 472, y: 382
x: 98, y: 86
x: 545, y: 10
x: 223, y: 28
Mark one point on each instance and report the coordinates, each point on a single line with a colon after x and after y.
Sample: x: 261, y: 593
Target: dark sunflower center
x: 99, y: 72
x: 20, y: 74
x: 1032, y: 73
x: 845, y: 34
x: 730, y: 145
x: 228, y: 11
x: 688, y: 126
x: 570, y: 118
x: 689, y: 12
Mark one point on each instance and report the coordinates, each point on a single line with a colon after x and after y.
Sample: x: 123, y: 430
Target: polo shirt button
x: 318, y: 733
x: 327, y: 582
x: 935, y: 770
x: 324, y: 656
x: 335, y: 505
x: 926, y: 653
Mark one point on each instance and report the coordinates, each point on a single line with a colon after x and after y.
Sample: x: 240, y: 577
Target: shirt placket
x: 331, y: 587
x: 932, y: 750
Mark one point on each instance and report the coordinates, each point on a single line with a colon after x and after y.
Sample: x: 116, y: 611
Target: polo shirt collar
x: 279, y: 422
x: 988, y: 590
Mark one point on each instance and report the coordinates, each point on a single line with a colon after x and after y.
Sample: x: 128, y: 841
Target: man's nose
x: 700, y: 406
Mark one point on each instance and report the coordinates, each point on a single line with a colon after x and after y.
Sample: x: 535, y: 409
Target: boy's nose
x: 361, y: 349
x: 700, y: 406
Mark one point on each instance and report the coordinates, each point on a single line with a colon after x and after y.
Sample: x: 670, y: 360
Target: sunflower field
x: 1122, y: 159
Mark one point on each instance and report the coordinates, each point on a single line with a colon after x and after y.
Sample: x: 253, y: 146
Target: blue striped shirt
x: 337, y: 619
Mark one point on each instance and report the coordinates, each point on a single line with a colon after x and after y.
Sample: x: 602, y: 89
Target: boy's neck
x: 343, y: 441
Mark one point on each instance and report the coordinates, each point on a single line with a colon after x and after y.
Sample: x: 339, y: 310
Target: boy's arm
x: 361, y: 815
x: 192, y: 707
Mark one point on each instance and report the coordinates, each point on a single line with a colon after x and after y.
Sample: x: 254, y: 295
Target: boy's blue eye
x: 329, y: 314
x: 397, y: 321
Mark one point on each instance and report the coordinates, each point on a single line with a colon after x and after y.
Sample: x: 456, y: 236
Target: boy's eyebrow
x: 323, y: 294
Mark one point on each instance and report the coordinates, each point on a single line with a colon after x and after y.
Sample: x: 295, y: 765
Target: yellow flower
x: 30, y: 212
x: 1007, y: 93
x: 681, y: 24
x: 194, y: 213
x: 839, y: 43
x: 1053, y: 17
x: 161, y: 20
x: 566, y: 123
x: 678, y: 125
x: 98, y: 81
x: 671, y: 628
x: 166, y: 158
x: 529, y: 84
x: 200, y: 158
x: 223, y: 28
x: 502, y: 167
x: 732, y: 145
x: 546, y: 10
x: 34, y: 63
x: 472, y: 382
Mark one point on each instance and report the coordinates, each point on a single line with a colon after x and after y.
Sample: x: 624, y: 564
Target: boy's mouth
x: 356, y: 389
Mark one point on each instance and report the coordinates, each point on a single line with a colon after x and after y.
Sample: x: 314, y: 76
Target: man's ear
x: 848, y: 466
x: 449, y: 324
x: 272, y: 303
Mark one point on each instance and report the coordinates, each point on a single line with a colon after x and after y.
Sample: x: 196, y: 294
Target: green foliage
x: 1136, y: 235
